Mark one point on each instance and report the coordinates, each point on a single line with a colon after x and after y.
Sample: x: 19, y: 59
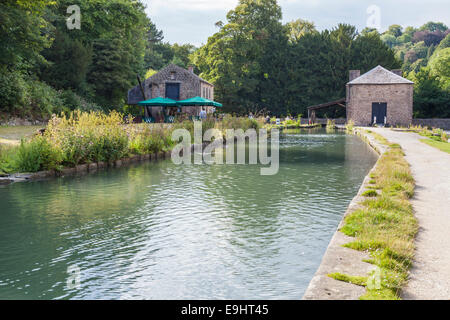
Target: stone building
x: 379, y: 96
x: 175, y: 83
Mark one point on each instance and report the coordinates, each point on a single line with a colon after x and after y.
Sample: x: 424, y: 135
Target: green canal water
x: 162, y: 231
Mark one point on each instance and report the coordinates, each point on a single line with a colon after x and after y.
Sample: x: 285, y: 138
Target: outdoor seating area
x: 170, y: 109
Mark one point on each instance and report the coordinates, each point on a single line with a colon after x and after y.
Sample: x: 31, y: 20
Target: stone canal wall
x: 340, y: 259
x: 434, y: 123
x: 83, y: 169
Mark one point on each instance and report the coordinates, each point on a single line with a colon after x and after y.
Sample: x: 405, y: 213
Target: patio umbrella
x: 158, y: 102
x: 198, y: 101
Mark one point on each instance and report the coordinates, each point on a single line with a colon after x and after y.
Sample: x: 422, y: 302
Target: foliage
x: 244, y: 123
x: 146, y: 139
x: 298, y: 28
x: 99, y: 62
x: 7, y: 156
x: 430, y: 99
x: 385, y: 225
x: 256, y: 62
x: 150, y: 72
x: 28, y: 97
x: 23, y: 33
x: 443, y: 146
x: 350, y: 126
x: 85, y: 137
x: 37, y: 155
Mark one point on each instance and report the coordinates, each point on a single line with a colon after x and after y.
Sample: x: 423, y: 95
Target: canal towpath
x: 430, y: 273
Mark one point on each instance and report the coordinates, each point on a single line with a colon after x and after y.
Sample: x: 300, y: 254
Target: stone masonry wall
x: 399, y: 99
x: 155, y: 86
x: 434, y: 123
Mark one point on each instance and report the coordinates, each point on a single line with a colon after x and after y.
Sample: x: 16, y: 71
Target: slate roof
x: 380, y: 75
x: 135, y: 93
x: 170, y: 67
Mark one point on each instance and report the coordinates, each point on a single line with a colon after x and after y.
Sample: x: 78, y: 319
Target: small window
x: 172, y: 75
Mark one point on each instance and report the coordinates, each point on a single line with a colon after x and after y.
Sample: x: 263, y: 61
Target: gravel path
x: 430, y: 274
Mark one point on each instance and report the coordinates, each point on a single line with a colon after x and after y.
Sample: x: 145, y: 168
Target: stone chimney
x: 191, y: 69
x: 353, y: 74
x: 397, y: 72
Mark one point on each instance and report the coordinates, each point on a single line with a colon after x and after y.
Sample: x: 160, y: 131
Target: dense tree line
x: 425, y: 54
x: 257, y: 63
x: 46, y: 67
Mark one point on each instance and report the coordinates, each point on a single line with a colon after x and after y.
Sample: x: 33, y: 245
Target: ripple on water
x: 160, y: 231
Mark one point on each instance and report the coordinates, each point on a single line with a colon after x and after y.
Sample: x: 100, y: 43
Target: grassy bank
x: 384, y: 226
x: 443, y: 146
x: 437, y: 138
x: 90, y: 137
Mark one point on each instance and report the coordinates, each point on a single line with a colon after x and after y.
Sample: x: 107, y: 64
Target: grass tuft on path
x: 385, y: 226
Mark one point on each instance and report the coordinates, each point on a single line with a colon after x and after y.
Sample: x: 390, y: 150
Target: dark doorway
x: 173, y: 91
x: 379, y: 110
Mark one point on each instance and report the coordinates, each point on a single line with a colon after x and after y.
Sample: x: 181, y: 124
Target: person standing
x: 202, y: 114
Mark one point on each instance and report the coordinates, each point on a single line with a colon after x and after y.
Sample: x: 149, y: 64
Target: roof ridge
x: 380, y: 75
x: 171, y: 65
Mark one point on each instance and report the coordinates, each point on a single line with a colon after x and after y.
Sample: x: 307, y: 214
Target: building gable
x: 380, y: 75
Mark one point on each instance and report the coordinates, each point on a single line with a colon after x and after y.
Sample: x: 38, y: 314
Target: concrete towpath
x: 430, y: 273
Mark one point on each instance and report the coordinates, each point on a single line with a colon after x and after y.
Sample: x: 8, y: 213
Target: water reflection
x: 160, y: 231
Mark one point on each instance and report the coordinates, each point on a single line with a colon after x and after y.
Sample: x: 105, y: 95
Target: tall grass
x: 331, y: 125
x: 36, y: 155
x: 7, y: 158
x: 350, y: 126
x: 86, y: 137
x: 385, y: 225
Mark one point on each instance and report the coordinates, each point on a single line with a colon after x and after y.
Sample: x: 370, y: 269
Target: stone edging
x: 82, y: 169
x: 340, y: 259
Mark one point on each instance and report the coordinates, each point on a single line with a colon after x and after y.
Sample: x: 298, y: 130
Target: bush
x: 73, y: 101
x: 146, y: 139
x: 370, y: 193
x: 12, y: 91
x: 43, y: 99
x: 37, y: 155
x: 7, y: 154
x: 244, y: 123
x: 85, y: 137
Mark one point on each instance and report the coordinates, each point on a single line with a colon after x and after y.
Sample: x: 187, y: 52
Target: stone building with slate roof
x: 175, y: 83
x: 379, y: 96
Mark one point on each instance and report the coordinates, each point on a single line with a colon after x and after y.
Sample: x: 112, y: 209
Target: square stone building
x: 379, y: 96
x: 175, y: 83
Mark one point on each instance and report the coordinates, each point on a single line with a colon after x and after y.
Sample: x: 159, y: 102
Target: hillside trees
x: 96, y: 63
x: 257, y: 63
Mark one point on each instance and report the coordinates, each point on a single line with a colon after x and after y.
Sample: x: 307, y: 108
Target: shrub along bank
x: 90, y: 137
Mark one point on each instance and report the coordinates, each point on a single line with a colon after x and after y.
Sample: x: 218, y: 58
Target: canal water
x: 162, y: 231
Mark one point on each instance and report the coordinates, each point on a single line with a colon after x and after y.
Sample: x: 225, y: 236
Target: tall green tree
x: 79, y: 58
x: 24, y: 33
x: 243, y: 58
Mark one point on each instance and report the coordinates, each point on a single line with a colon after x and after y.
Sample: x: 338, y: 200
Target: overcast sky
x: 192, y: 21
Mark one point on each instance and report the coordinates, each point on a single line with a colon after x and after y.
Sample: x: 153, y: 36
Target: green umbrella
x: 158, y: 102
x: 198, y: 101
